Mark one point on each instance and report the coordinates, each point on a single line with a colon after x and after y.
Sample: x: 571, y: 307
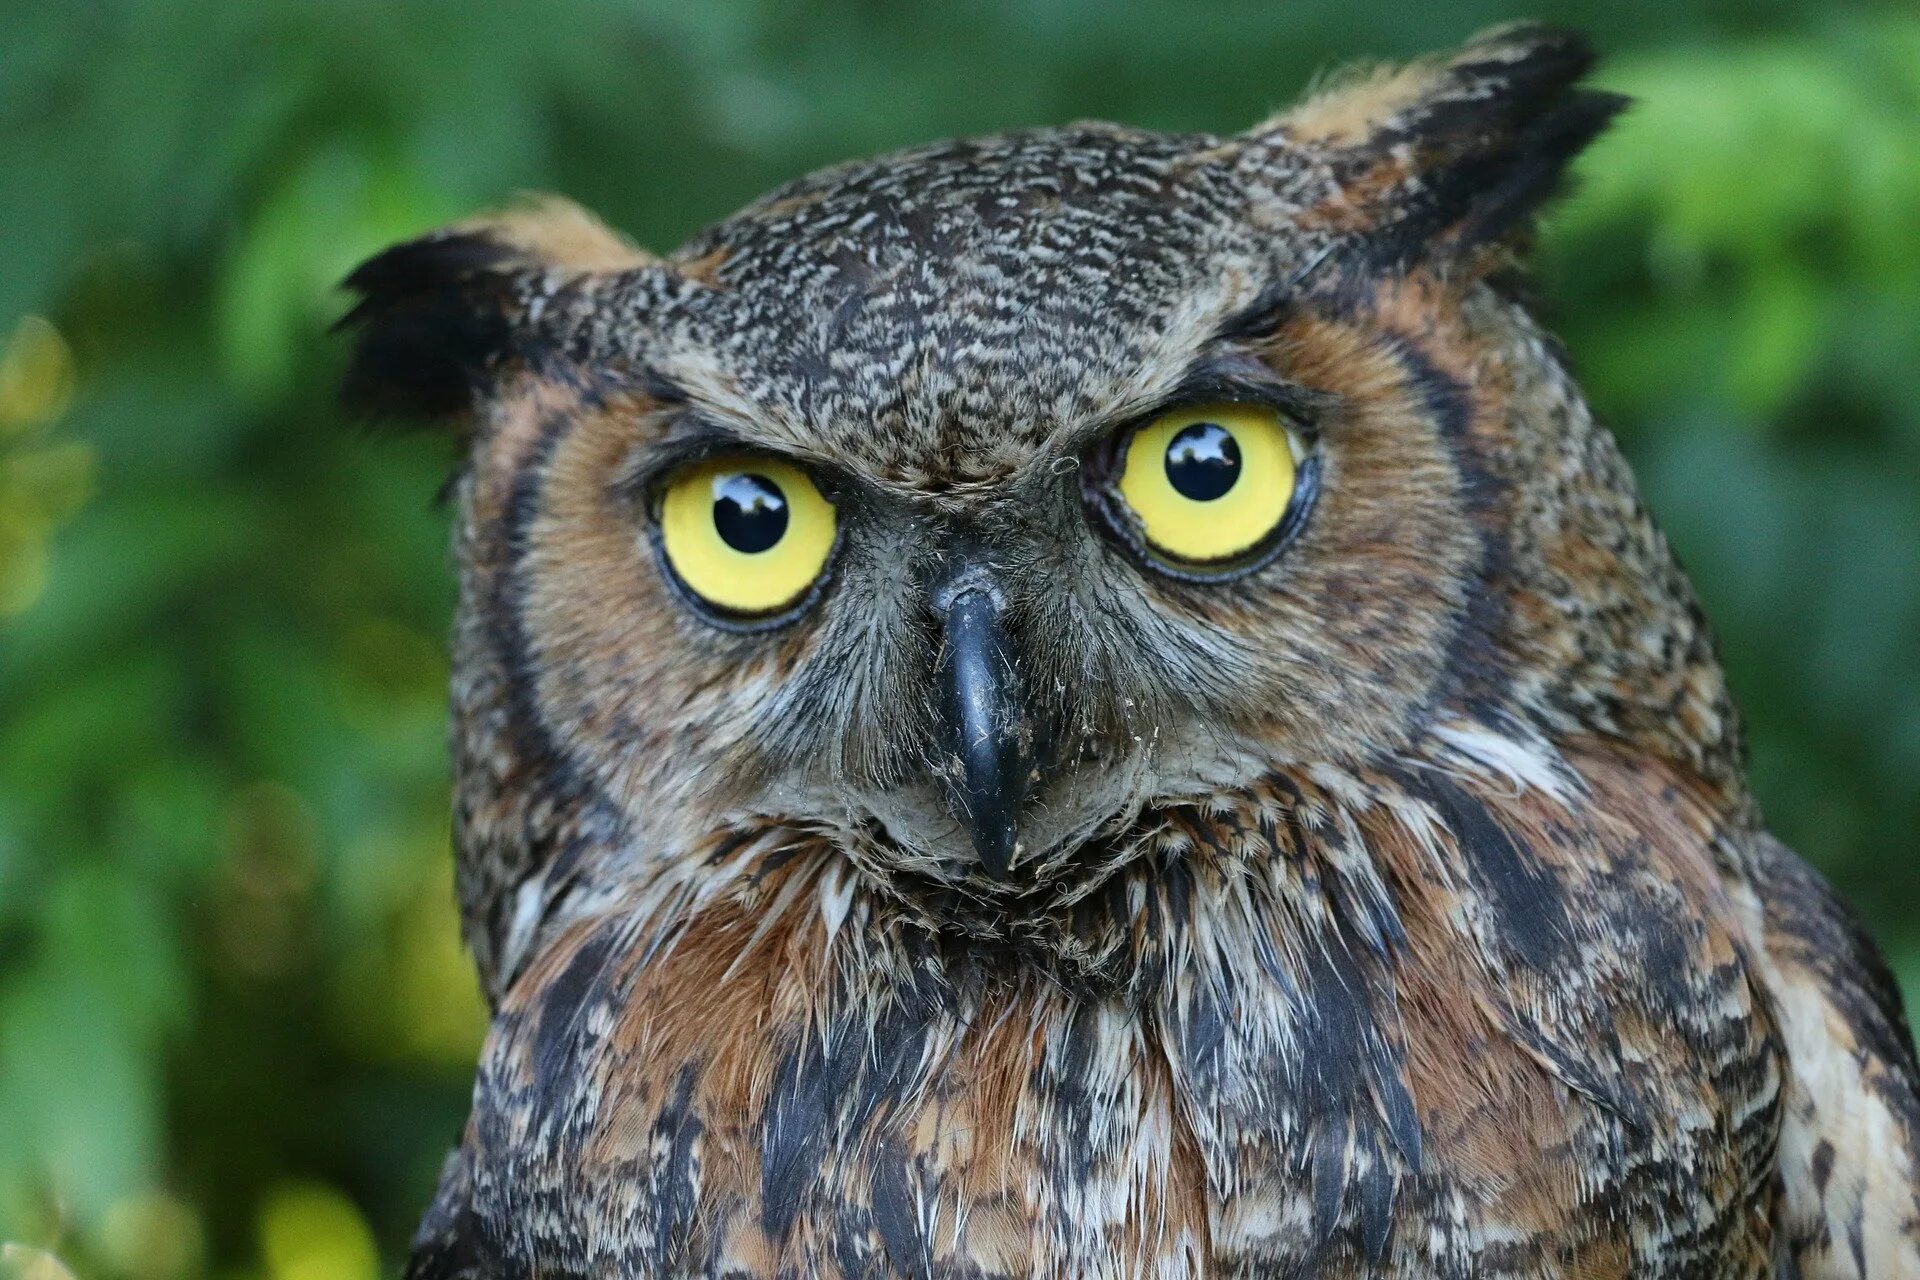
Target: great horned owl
x: 1092, y: 703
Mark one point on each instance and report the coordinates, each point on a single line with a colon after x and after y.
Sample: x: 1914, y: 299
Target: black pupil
x: 1203, y: 461
x: 749, y: 511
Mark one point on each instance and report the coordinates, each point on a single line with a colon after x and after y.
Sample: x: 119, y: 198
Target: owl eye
x: 747, y: 536
x: 1205, y: 487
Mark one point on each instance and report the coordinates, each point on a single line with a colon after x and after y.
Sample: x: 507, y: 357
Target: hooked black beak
x: 985, y: 733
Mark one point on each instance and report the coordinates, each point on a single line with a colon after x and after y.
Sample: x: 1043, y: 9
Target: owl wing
x: 445, y: 1246
x: 1849, y: 1159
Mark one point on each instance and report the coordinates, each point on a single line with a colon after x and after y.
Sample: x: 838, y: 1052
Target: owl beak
x: 985, y: 773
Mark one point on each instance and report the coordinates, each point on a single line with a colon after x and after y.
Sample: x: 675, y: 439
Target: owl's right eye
x: 1208, y: 491
x: 746, y: 536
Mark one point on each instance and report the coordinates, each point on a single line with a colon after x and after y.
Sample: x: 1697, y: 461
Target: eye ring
x: 1207, y: 451
x: 746, y: 542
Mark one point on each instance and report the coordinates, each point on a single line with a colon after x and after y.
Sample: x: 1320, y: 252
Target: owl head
x: 968, y: 505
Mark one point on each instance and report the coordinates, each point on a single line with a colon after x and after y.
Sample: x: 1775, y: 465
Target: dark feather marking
x: 1822, y: 1165
x: 562, y: 1000
x: 508, y: 611
x: 1491, y: 147
x: 673, y: 1178
x: 894, y: 1216
x: 551, y: 848
x: 1353, y: 1076
x: 1377, y: 1194
x: 430, y: 321
x: 794, y: 1134
x: 450, y: 1242
x: 1328, y: 1147
x: 1529, y: 897
x: 1476, y: 671
x: 1537, y: 928
x: 658, y: 387
x: 828, y: 1090
x: 1076, y: 1107
x: 1202, y: 1033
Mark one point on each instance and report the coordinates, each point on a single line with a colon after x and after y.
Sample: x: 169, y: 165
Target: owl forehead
x: 940, y: 316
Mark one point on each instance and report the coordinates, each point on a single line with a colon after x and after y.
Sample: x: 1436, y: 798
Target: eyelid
x: 691, y: 438
x: 687, y: 439
x: 1227, y: 379
x: 1300, y: 407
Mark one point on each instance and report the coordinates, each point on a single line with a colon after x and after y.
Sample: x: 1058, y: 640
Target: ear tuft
x: 437, y: 318
x: 1457, y: 152
x: 431, y: 320
x: 557, y: 234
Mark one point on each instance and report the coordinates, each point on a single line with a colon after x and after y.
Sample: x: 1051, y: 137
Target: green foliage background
x: 236, y: 1029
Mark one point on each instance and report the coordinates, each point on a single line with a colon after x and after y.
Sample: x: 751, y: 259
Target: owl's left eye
x: 1205, y: 489
x: 746, y: 536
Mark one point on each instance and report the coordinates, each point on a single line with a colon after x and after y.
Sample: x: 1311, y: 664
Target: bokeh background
x: 236, y: 1027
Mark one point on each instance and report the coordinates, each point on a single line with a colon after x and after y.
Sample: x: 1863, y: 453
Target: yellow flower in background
x: 153, y: 1236
x: 408, y: 993
x: 41, y: 485
x: 312, y: 1232
x: 22, y: 1262
x: 36, y: 376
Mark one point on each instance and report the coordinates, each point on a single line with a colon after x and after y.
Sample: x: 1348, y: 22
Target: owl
x: 1095, y: 703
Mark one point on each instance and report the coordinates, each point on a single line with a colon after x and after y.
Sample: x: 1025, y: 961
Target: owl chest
x: 1317, y: 1138
x: 1327, y: 1113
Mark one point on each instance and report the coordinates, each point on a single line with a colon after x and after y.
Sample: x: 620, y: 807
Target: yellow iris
x: 746, y: 535
x: 1210, y: 483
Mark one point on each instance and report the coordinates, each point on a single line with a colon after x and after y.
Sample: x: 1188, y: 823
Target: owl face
x: 970, y: 504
